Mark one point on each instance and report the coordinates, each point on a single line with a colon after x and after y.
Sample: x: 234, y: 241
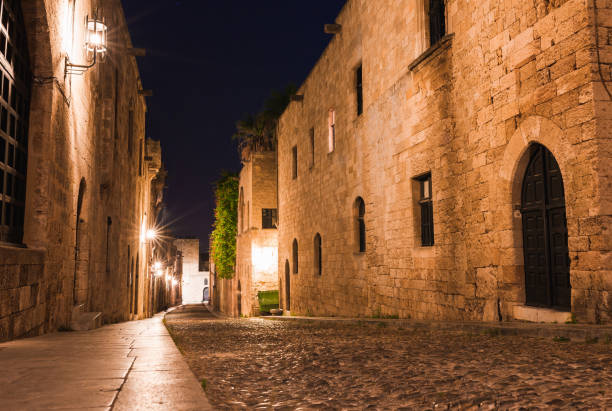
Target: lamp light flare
x: 151, y: 234
x: 174, y: 282
x: 159, y: 273
x: 157, y: 265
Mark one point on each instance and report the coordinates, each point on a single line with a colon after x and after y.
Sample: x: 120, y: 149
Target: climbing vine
x: 223, y: 237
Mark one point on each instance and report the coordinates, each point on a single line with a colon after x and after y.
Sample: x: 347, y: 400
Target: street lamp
x: 95, y: 43
x: 151, y: 234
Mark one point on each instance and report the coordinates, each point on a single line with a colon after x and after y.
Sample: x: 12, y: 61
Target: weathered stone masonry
x: 256, y: 245
x: 86, y: 135
x: 468, y: 110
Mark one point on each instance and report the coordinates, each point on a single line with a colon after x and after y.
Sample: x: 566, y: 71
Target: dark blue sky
x: 209, y: 63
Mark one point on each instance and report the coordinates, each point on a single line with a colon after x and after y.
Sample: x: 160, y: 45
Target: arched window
x: 295, y: 256
x: 360, y: 234
x: 318, y: 262
x: 15, y: 79
x: 241, y: 211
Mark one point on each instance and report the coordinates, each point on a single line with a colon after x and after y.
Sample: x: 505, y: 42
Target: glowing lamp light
x: 159, y: 273
x: 96, y: 35
x: 157, y: 266
x: 151, y: 234
x: 174, y: 282
x: 95, y: 43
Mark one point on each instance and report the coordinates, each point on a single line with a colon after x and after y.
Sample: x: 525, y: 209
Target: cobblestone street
x: 258, y: 363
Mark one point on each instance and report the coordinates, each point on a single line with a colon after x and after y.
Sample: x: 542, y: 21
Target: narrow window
x: 318, y: 261
x: 130, y: 131
x: 426, y: 205
x: 332, y: 130
x: 359, y: 86
x: 268, y: 218
x: 241, y: 211
x: 140, y: 158
x: 295, y: 256
x: 312, y: 147
x: 360, y: 224
x: 437, y: 26
x: 294, y: 164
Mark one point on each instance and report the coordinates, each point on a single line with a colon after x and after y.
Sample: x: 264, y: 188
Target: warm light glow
x: 151, y: 234
x: 159, y: 273
x: 264, y: 258
x: 96, y: 35
x: 157, y: 265
x: 174, y: 282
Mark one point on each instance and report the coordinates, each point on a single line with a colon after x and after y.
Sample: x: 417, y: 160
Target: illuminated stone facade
x: 89, y: 192
x: 256, y: 243
x: 194, y: 280
x: 470, y: 112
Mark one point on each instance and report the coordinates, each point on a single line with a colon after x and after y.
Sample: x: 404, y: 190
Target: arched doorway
x: 239, y: 297
x: 545, y: 246
x: 287, y: 286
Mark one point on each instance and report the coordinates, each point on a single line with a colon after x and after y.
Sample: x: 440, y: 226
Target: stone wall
x: 466, y: 110
x: 86, y: 134
x: 256, y: 247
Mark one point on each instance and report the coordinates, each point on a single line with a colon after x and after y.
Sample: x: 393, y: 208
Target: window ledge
x: 444, y: 43
x: 16, y: 254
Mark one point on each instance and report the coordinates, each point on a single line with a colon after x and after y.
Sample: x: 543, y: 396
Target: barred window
x: 426, y: 205
x: 14, y: 111
x: 269, y: 218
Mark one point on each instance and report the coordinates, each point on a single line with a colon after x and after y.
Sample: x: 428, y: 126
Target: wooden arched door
x: 287, y: 286
x: 547, y: 268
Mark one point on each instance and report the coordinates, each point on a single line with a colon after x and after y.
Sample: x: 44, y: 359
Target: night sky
x: 209, y: 63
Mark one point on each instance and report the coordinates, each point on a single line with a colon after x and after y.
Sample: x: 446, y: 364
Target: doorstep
x: 541, y: 315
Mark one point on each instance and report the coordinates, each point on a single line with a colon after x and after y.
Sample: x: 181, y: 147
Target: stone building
x: 195, y: 281
x: 452, y: 160
x: 257, y: 237
x: 75, y: 174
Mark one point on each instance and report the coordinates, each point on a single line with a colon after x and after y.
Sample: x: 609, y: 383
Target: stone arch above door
x: 507, y: 195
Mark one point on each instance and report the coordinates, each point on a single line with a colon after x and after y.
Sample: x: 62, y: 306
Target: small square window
x: 269, y: 218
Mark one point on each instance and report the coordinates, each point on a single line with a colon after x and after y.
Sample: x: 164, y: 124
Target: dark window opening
x: 318, y: 260
x: 359, y: 85
x: 269, y: 218
x: 437, y: 26
x: 295, y: 256
x: 294, y: 164
x: 312, y: 147
x: 130, y: 132
x: 361, y: 229
x: 426, y: 205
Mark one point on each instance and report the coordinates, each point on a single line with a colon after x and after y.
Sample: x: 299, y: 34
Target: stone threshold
x: 540, y: 315
x: 574, y: 332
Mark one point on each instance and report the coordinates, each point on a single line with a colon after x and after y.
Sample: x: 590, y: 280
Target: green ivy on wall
x: 223, y: 237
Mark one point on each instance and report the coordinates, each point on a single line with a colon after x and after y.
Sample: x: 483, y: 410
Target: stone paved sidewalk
x: 129, y: 366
